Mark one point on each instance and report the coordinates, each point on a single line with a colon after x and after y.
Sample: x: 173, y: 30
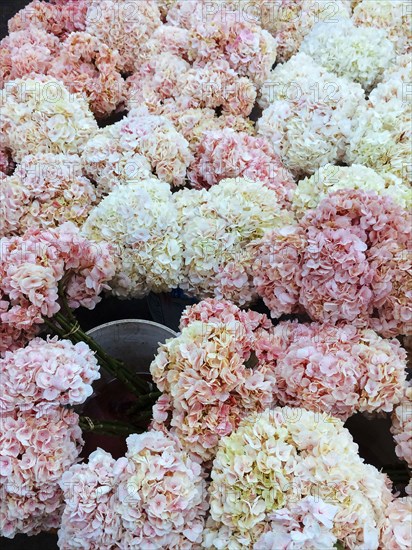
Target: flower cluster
x: 392, y: 16
x: 55, y: 372
x: 225, y: 154
x: 123, y: 26
x: 308, y: 113
x: 348, y: 259
x: 402, y: 427
x: 216, y: 227
x: 133, y: 149
x: 381, y: 136
x: 45, y: 191
x: 171, y: 80
x: 338, y: 370
x: 33, y: 265
x: 36, y: 449
x: 154, y: 497
x: 266, y: 468
x: 26, y: 52
x: 58, y: 17
x: 329, y: 178
x: 396, y: 532
x: 307, y: 523
x: 361, y: 54
x: 140, y: 219
x: 212, y: 375
x: 89, y: 67
x: 41, y: 116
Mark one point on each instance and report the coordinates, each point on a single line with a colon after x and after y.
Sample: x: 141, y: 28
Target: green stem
x: 141, y: 402
x: 106, y: 427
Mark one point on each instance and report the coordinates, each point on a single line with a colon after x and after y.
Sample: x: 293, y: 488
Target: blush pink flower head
x: 47, y: 373
x: 225, y: 154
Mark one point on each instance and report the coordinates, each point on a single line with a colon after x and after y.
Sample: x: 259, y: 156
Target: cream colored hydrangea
x: 278, y: 457
x: 216, y: 227
x: 361, y: 54
x: 41, y: 116
x: 310, y: 191
x: 140, y: 220
x: 392, y: 15
x: 308, y: 114
x: 382, y: 135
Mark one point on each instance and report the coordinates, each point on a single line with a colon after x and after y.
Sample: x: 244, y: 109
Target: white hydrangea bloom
x: 392, y: 15
x: 382, y: 135
x: 281, y: 456
x: 361, y: 54
x: 329, y: 178
x: 308, y: 114
x: 41, y: 116
x: 217, y: 225
x: 140, y: 220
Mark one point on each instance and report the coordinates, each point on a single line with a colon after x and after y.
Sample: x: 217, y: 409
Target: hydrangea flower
x: 134, y: 148
x: 305, y: 524
x: 41, y: 116
x: 36, y: 449
x: 396, y: 533
x: 382, y: 135
x: 123, y: 26
x: 162, y: 501
x: 361, y: 54
x: 208, y: 386
x: 217, y: 225
x: 390, y: 15
x: 58, y: 17
x: 225, y: 154
x: 329, y: 178
x: 32, y: 266
x: 169, y: 79
x: 26, y: 52
x: 348, y: 259
x: 402, y: 427
x: 339, y: 370
x: 277, y: 458
x: 91, y: 516
x: 45, y: 191
x: 308, y: 114
x: 89, y: 67
x: 47, y: 372
x: 140, y: 220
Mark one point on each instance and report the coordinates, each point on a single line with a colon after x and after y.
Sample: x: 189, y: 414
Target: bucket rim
x: 134, y: 321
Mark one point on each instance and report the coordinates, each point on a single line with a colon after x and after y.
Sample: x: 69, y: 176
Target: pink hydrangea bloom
x: 123, y: 26
x: 32, y: 266
x: 213, y: 374
x: 352, y: 263
x: 396, y: 532
x: 91, y: 516
x: 277, y: 269
x: 88, y: 66
x: 35, y: 451
x: 338, y: 370
x: 306, y: 524
x: 228, y: 154
x: 59, y: 17
x: 213, y: 85
x: 162, y: 497
x: 52, y: 372
x: 45, y: 190
x: 26, y: 52
x: 402, y: 427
